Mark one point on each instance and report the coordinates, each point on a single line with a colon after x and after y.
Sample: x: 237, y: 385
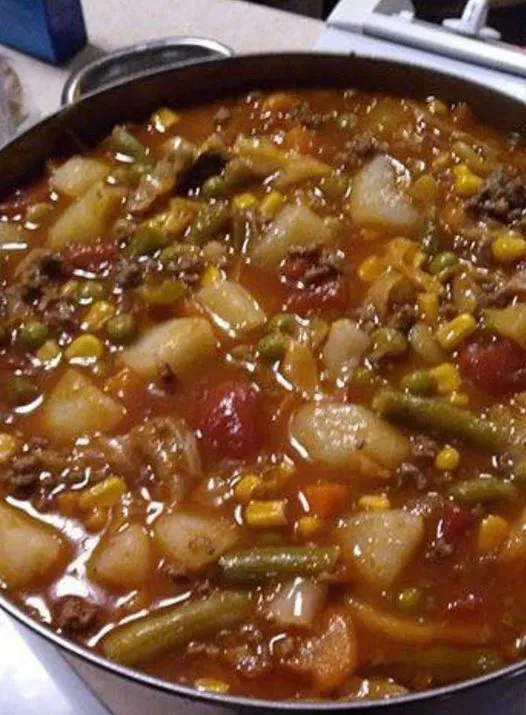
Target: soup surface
x: 263, y: 396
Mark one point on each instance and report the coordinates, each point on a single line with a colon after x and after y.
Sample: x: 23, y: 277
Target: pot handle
x: 137, y: 60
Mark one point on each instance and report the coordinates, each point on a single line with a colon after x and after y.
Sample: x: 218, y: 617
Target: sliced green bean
x: 420, y: 382
x: 123, y: 142
x: 211, y: 220
x: 266, y: 562
x: 483, y: 491
x: 171, y: 628
x: 434, y: 415
x: 445, y: 664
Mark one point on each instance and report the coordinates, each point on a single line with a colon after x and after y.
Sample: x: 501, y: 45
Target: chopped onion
x: 298, y: 603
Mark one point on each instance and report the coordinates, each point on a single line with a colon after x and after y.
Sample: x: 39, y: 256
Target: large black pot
x: 88, y: 120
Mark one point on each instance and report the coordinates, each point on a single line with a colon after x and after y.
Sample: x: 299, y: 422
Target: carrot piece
x: 328, y: 499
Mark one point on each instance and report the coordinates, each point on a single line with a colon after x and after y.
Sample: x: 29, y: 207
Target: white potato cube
x: 231, y: 307
x: 76, y: 175
x: 124, y: 560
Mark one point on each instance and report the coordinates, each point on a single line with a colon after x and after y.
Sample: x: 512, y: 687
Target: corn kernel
x: 98, y: 314
x: 247, y: 487
x: 459, y: 399
x: 49, y: 352
x: 164, y: 118
x: 447, y: 378
x: 466, y: 182
x: 212, y: 275
x: 374, y: 502
x: 104, y: 494
x: 370, y: 269
x: 508, y: 247
x: 244, y: 201
x: 264, y: 514
x: 272, y: 203
x: 493, y: 530
x: 451, y: 334
x: 447, y: 459
x: 212, y: 685
x: 8, y: 447
x: 428, y: 306
x: 85, y: 348
x: 309, y: 525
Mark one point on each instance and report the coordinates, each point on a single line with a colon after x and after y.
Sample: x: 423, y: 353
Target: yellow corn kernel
x: 247, y: 487
x: 8, y: 446
x: 103, y: 494
x: 309, y: 525
x: 85, y: 347
x: 272, y: 203
x: 447, y: 459
x: 447, y: 378
x: 164, y: 118
x: 428, y: 306
x: 212, y: 275
x: 466, y: 182
x: 508, y: 247
x: 212, y: 685
x: 451, y: 334
x: 493, y: 530
x: 370, y: 269
x: 96, y: 519
x: 264, y: 514
x: 459, y: 399
x: 244, y: 201
x: 374, y: 502
x: 98, y: 314
x: 49, y: 351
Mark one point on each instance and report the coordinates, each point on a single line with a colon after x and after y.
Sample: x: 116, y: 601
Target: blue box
x: 52, y: 30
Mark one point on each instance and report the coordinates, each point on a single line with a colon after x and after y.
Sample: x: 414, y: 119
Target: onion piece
x: 298, y: 603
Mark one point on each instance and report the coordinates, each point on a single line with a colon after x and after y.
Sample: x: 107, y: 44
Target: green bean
x: 123, y: 142
x: 434, y: 415
x: 214, y: 187
x: 442, y: 261
x: 145, y: 241
x: 483, y: 491
x: 443, y: 663
x: 33, y: 334
x: 171, y: 628
x: 164, y: 294
x: 282, y: 323
x: 419, y: 382
x: 387, y: 342
x: 90, y: 291
x: 121, y: 329
x: 273, y: 346
x: 266, y: 562
x: 19, y: 390
x: 211, y: 219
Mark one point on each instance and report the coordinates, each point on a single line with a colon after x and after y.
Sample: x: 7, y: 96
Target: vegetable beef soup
x: 263, y: 396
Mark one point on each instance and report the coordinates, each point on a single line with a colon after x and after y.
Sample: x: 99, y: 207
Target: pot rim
x: 137, y: 677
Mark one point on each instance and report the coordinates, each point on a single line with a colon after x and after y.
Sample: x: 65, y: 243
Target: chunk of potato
x: 293, y: 227
x: 194, y: 539
x: 231, y: 307
x: 340, y: 436
x: 29, y: 550
x: 344, y: 348
x: 77, y: 407
x: 182, y: 343
x: 381, y: 544
x: 76, y: 175
x: 124, y: 560
x: 378, y: 201
x: 87, y: 218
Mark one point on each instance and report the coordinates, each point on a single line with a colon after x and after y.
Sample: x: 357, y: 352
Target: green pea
x: 90, y: 291
x: 273, y: 346
x: 20, y: 390
x: 442, y: 262
x: 282, y: 323
x: 121, y: 329
x: 334, y: 186
x: 33, y: 334
x: 388, y: 342
x: 145, y: 241
x: 410, y: 599
x: 214, y: 187
x: 163, y: 294
x: 419, y: 382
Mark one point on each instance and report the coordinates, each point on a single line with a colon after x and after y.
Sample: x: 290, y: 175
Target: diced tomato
x: 497, y: 368
x: 456, y: 521
x: 328, y: 296
x: 230, y: 419
x: 90, y: 257
x: 327, y: 500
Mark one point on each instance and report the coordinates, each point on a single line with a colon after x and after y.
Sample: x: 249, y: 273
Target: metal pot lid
x: 137, y: 60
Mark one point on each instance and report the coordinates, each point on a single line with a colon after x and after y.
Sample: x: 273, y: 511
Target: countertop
x: 113, y: 24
